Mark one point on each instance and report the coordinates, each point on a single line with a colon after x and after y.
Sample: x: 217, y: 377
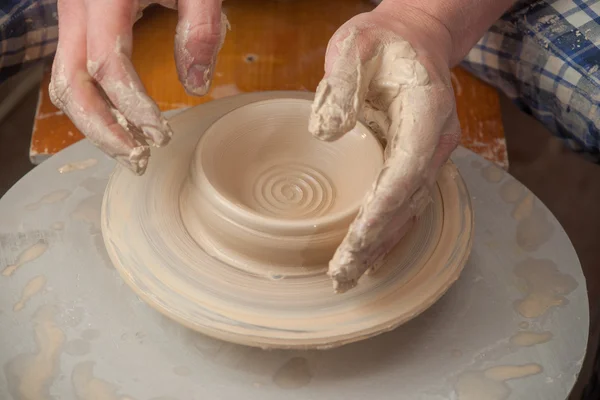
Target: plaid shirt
x: 543, y: 54
x: 28, y: 34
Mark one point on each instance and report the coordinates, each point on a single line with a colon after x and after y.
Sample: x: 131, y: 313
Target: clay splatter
x: 293, y: 374
x: 534, y: 229
x: 524, y: 325
x: 29, y: 376
x: 31, y: 288
x: 88, y: 387
x: 77, y: 347
x: 78, y: 166
x: 492, y: 173
x: 511, y: 191
x: 525, y: 208
x: 490, y: 384
x: 50, y: 198
x: 26, y: 256
x: 545, y: 287
x: 528, y: 338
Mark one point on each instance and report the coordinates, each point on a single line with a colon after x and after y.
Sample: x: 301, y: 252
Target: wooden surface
x: 273, y: 45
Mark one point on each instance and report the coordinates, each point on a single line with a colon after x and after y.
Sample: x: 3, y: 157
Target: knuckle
x: 98, y: 69
x: 208, y: 33
x: 59, y: 91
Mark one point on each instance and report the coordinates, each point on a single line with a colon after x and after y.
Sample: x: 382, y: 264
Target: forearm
x: 465, y: 20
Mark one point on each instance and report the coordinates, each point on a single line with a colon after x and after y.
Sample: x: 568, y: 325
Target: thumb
x: 200, y: 34
x: 349, y: 67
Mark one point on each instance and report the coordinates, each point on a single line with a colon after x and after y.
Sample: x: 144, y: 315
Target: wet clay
x: 26, y: 256
x: 170, y: 235
x: 534, y: 228
x: 511, y: 191
x: 545, y: 287
x: 32, y: 287
x: 294, y: 374
x: 78, y: 166
x: 490, y: 384
x: 88, y: 387
x: 50, y: 198
x: 530, y: 338
x: 492, y: 173
x: 29, y: 376
x: 291, y: 195
x: 524, y: 209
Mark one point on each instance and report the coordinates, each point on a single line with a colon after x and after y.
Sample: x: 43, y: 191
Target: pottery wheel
x: 514, y: 325
x: 148, y: 237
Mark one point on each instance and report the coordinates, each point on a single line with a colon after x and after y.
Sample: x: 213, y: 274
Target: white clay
x: 169, y: 233
x: 78, y: 166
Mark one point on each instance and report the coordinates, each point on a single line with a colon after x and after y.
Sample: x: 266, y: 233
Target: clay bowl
x: 262, y: 193
x: 219, y: 238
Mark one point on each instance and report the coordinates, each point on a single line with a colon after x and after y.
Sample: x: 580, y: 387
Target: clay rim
x: 323, y: 340
x: 259, y: 221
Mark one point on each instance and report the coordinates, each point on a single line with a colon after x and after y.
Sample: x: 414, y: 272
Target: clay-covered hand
x: 391, y: 71
x: 95, y: 84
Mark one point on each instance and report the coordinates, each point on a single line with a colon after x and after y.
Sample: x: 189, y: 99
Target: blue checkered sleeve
x: 28, y: 34
x: 545, y: 56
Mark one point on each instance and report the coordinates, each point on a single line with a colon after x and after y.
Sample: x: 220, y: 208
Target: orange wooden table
x: 273, y: 45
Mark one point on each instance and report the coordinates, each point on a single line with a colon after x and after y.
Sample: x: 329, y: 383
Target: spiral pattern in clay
x: 293, y: 191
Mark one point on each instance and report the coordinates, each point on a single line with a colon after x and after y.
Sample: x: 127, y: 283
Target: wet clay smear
x: 490, y: 384
x: 29, y: 376
x: 78, y: 166
x: 32, y: 287
x: 26, y: 256
x: 533, y: 228
x: 89, y: 387
x: 50, y: 198
x: 545, y: 287
x: 529, y: 338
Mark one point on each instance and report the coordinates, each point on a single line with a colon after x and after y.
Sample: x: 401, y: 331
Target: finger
x: 418, y: 115
x: 74, y: 91
x: 200, y: 34
x: 109, y: 42
x: 340, y: 95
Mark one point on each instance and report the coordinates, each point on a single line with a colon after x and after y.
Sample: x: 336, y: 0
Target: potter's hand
x: 394, y: 74
x: 95, y: 84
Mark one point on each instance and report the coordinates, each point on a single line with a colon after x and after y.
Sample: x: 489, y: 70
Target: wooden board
x: 273, y: 45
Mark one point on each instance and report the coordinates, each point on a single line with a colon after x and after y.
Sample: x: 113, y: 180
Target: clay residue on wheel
x: 29, y: 376
x: 491, y: 384
x: 544, y: 286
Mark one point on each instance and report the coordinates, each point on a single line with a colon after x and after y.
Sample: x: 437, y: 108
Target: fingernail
x: 157, y: 137
x: 137, y: 160
x: 198, y: 79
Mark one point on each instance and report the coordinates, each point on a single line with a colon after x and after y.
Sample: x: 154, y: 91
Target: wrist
x: 457, y: 24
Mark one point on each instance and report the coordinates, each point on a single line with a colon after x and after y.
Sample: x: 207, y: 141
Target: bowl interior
x: 261, y: 157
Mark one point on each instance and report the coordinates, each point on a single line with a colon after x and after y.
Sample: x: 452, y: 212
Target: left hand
x: 392, y: 71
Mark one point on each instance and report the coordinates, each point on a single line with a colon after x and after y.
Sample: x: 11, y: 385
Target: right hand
x: 95, y: 84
